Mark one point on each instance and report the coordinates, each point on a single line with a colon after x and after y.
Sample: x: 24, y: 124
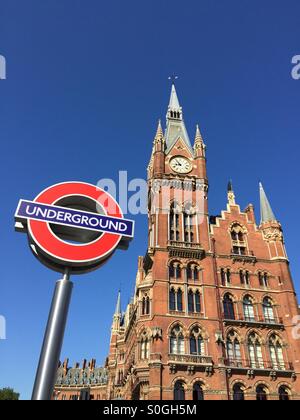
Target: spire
x: 174, y: 102
x: 159, y: 133
x: 175, y: 124
x: 266, y: 211
x: 230, y: 194
x: 118, y: 306
x: 198, y: 137
x: 229, y: 187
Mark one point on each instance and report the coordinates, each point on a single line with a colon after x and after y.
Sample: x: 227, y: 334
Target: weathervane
x: 173, y: 78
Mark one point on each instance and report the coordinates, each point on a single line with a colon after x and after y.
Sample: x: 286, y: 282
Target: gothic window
x: 198, y: 394
x: 189, y: 223
x: 191, y: 306
x: 179, y: 300
x: 225, y: 276
x: 172, y: 302
x: 283, y: 393
x: 255, y: 351
x: 175, y: 222
x: 192, y: 272
x: 233, y: 349
x: 175, y: 270
x: 175, y: 302
x: 268, y: 310
x: 245, y: 277
x: 263, y: 279
x: 261, y: 393
x: 238, y: 392
x: 144, y: 347
x: 177, y: 341
x: 276, y: 353
x: 146, y: 305
x: 197, y: 302
x: 248, y: 309
x: 179, y: 392
x: 194, y: 301
x: 238, y: 240
x: 228, y: 307
x: 196, y: 342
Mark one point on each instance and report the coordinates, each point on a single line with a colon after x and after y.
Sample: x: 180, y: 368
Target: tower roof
x: 118, y: 305
x: 174, y: 102
x: 266, y: 211
x: 175, y: 125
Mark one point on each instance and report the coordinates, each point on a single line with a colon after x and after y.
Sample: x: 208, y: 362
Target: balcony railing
x: 181, y: 244
x: 190, y: 358
x: 258, y: 364
x: 185, y: 249
x: 253, y: 320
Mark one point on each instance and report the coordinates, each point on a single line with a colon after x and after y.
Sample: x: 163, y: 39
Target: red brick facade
x: 214, y: 310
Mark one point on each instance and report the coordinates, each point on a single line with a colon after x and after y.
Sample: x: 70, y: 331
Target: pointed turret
x: 118, y: 305
x: 159, y: 132
x: 266, y: 211
x: 199, y: 146
x: 175, y: 125
x: 117, y: 315
x: 230, y: 194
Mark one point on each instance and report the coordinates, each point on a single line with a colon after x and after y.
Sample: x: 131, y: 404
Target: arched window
x: 192, y: 272
x: 145, y: 347
x: 198, y: 394
x: 283, y: 393
x: 172, y: 302
x: 179, y: 392
x: 228, y: 307
x: 225, y: 276
x: 175, y: 270
x: 177, y: 341
x: 276, y: 353
x: 189, y: 222
x: 255, y: 351
x: 175, y: 302
x: 263, y: 280
x: 261, y: 393
x: 238, y: 240
x: 197, y: 346
x: 146, y: 305
x: 245, y: 277
x: 238, y: 392
x: 175, y: 222
x: 191, y: 306
x: 233, y: 349
x: 179, y: 300
x: 268, y: 310
x: 197, y: 302
x: 248, y: 309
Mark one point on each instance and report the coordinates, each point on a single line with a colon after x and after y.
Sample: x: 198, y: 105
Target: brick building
x: 214, y: 310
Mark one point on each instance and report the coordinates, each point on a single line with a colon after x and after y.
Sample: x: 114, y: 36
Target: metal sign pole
x: 53, y: 340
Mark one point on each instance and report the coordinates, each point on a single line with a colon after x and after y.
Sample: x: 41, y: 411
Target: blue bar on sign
x: 74, y: 218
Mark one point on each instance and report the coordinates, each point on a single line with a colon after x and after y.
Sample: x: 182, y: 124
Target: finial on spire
x: 118, y: 305
x: 198, y: 136
x: 159, y: 132
x: 173, y: 78
x: 230, y: 194
x: 266, y: 211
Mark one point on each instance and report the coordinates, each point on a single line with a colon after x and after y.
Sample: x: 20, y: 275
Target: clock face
x: 181, y: 165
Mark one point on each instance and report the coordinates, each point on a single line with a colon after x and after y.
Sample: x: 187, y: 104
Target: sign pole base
x: 53, y: 340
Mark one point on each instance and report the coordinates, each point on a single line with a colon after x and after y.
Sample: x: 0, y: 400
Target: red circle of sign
x: 63, y: 251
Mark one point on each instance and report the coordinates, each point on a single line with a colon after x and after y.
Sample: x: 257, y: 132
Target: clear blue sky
x: 86, y: 83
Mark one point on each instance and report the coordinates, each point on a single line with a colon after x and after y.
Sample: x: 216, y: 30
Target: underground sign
x: 74, y: 225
